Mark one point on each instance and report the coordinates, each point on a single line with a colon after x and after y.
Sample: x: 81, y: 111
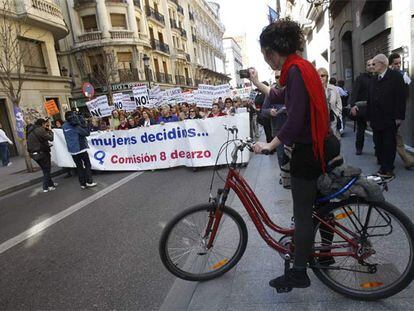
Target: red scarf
x: 317, y: 100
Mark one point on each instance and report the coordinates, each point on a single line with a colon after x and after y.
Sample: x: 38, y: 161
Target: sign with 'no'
x: 99, y: 107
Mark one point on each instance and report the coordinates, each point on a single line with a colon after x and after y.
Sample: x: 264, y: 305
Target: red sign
x: 88, y: 90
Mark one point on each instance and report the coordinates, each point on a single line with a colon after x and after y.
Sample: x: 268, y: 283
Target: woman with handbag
x: 306, y: 130
x: 38, y: 138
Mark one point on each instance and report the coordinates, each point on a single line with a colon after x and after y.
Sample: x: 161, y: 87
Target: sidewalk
x: 246, y: 287
x: 16, y: 177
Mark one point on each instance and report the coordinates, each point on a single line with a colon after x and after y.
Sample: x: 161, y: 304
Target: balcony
x: 160, y: 46
x: 183, y: 33
x: 179, y: 80
x: 180, y: 9
x: 116, y: 1
x: 168, y: 78
x: 174, y: 1
x: 191, y: 15
x: 121, y: 34
x: 160, y: 77
x: 90, y: 36
x: 156, y: 16
x: 174, y: 25
x: 43, y: 14
x: 189, y: 81
x: 194, y: 37
x: 128, y: 75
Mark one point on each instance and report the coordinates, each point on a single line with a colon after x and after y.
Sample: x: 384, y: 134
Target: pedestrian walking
x: 358, y: 101
x: 395, y: 64
x: 4, y: 148
x: 75, y: 130
x: 386, y: 112
x: 39, y: 138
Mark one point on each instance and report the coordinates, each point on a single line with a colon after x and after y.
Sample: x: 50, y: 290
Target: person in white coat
x: 334, y: 102
x: 4, y: 150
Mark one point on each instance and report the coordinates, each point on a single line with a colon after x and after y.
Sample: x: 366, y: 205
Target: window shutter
x: 118, y: 21
x: 89, y: 23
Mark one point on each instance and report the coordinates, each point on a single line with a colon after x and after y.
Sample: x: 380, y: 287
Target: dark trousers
x: 267, y: 129
x: 361, y: 126
x: 83, y: 167
x: 4, y: 153
x: 304, y: 195
x: 46, y: 166
x: 386, y: 147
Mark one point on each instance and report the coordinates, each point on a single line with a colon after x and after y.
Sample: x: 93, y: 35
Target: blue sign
x: 100, y: 156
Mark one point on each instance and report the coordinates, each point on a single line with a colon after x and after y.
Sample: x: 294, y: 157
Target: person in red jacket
x: 216, y: 112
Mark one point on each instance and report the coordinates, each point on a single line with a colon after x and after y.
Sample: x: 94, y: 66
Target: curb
x: 29, y: 183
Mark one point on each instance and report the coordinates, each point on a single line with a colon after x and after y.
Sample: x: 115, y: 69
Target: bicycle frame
x: 261, y: 219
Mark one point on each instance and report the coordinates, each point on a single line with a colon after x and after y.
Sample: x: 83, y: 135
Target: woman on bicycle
x: 305, y: 129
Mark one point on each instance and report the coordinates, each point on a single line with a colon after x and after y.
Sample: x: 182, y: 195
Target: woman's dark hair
x: 284, y: 36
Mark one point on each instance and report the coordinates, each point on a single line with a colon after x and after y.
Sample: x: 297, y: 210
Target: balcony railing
x: 189, y: 81
x: 187, y: 57
x: 183, y: 33
x: 151, y: 13
x: 160, y: 46
x: 180, y: 80
x: 194, y: 38
x: 168, y: 78
x: 173, y: 24
x: 160, y: 77
x: 90, y: 36
x: 137, y: 3
x: 116, y: 1
x: 180, y: 9
x: 127, y: 75
x: 121, y: 34
x: 191, y: 15
x: 78, y: 3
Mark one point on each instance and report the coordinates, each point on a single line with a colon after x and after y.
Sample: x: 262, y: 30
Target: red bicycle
x: 363, y: 250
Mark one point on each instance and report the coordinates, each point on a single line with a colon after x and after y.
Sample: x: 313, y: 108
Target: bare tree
x: 12, y: 56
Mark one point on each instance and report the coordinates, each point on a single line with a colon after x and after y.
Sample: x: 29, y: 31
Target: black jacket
x: 360, y: 89
x: 386, y: 100
x: 38, y: 139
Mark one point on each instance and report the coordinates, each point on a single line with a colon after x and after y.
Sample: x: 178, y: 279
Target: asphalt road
x: 104, y: 255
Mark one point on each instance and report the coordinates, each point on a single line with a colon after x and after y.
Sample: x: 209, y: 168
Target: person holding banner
x: 146, y: 119
x: 306, y: 129
x: 114, y: 121
x: 75, y: 131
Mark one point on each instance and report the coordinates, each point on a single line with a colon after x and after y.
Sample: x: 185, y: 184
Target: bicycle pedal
x: 281, y: 290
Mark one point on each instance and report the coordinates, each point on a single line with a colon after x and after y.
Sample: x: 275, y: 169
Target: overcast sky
x: 249, y: 17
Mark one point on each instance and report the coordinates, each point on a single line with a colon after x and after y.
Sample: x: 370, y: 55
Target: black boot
x: 292, y: 279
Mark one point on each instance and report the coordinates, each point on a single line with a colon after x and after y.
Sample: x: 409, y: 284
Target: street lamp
x: 146, y: 60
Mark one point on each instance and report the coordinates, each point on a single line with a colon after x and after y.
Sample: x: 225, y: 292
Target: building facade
x: 37, y: 26
x: 234, y: 61
x: 111, y: 38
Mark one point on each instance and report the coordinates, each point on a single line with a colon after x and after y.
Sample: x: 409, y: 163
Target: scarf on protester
x: 317, y: 101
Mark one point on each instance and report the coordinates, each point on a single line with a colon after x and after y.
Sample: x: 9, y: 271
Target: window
x: 124, y: 60
x: 32, y: 54
x: 89, y: 23
x: 138, y: 24
x: 118, y: 21
x: 97, y: 64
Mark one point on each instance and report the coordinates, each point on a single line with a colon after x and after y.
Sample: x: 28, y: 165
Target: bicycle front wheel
x: 184, y: 247
x: 382, y: 264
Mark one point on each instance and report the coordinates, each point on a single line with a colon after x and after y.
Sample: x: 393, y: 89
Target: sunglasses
x: 323, y: 76
x: 192, y: 111
x: 277, y: 77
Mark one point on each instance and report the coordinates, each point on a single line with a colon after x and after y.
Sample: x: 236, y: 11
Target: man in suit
x: 385, y: 112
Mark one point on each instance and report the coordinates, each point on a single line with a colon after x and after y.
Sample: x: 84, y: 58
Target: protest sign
x: 128, y: 104
x: 155, y: 96
x: 192, y: 143
x: 51, y: 107
x: 188, y: 97
x: 204, y: 96
x: 141, y: 96
x: 173, y: 95
x: 99, y: 107
x: 222, y: 91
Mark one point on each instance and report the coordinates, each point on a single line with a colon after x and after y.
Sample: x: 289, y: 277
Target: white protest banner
x: 99, y: 107
x: 128, y: 104
x: 155, y: 96
x: 173, y: 95
x: 141, y: 96
x: 204, y: 96
x: 188, y: 97
x: 243, y: 92
x: 192, y: 143
x: 222, y: 91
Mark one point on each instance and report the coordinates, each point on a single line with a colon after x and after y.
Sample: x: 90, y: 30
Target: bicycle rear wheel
x: 183, y: 245
x: 386, y: 242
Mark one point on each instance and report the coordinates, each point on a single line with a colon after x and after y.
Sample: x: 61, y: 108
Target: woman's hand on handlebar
x: 261, y: 147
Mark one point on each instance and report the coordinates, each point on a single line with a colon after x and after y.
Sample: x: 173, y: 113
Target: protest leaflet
x: 192, y: 143
x: 99, y: 107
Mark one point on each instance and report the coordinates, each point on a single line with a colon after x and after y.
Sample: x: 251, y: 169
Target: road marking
x: 63, y: 214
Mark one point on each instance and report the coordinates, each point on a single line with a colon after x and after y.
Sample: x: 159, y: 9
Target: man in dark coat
x: 360, y: 93
x: 385, y: 112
